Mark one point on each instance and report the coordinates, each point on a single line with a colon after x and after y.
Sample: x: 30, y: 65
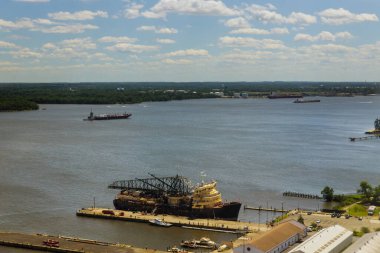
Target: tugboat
x: 174, y: 195
x: 161, y: 223
x: 377, y: 128
x: 92, y: 117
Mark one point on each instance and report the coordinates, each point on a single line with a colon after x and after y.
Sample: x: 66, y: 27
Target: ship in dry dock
x: 175, y: 196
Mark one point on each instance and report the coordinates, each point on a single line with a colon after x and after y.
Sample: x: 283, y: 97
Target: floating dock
x: 266, y: 209
x: 178, y: 221
x: 364, y: 138
x: 64, y: 244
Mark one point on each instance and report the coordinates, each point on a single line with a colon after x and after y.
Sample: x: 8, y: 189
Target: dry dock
x: 179, y: 221
x: 65, y: 244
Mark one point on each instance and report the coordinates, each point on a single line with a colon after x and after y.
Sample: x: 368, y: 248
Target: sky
x: 189, y: 40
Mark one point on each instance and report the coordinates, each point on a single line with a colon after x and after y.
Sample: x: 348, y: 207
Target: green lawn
x: 358, y: 210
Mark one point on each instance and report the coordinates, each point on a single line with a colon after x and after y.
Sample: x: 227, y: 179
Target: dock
x: 266, y: 209
x: 364, y: 138
x: 64, y: 244
x: 215, y: 225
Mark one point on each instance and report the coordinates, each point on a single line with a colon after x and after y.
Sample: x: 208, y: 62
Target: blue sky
x: 189, y: 40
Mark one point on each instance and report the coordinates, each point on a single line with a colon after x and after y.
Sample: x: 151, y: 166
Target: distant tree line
x: 17, y: 104
x: 129, y: 93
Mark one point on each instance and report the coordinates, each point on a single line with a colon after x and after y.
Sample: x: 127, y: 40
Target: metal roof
x: 325, y: 240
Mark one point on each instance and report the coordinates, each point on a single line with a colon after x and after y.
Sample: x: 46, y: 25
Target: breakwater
x: 301, y: 195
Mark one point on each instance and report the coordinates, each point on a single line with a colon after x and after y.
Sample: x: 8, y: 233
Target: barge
x: 92, y: 116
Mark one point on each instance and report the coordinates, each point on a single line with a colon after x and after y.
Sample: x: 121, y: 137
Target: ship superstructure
x: 377, y: 127
x: 173, y: 195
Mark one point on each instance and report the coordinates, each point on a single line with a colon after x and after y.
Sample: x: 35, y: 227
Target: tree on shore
x: 366, y: 189
x: 328, y: 193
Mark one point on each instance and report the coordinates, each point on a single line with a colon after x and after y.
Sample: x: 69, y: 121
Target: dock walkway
x: 179, y: 221
x: 66, y: 244
x: 364, y: 138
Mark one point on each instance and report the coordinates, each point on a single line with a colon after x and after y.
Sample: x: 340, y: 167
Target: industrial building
x: 276, y: 240
x: 369, y: 243
x: 329, y: 240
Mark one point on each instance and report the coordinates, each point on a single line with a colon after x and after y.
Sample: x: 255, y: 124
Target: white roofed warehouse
x: 369, y: 243
x: 329, y: 240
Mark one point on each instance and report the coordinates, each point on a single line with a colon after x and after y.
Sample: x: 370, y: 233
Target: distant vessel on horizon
x: 107, y: 116
x: 301, y: 100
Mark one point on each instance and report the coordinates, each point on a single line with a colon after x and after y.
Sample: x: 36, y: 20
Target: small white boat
x: 159, y: 222
x: 204, y: 242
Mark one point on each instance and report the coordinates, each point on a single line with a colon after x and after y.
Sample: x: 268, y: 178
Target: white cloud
x: 165, y: 41
x: 80, y: 15
x: 238, y: 22
x: 260, y: 31
x: 110, y: 39
x: 342, y: 16
x: 188, y: 52
x: 25, y: 53
x: 324, y: 36
x: 72, y: 28
x: 134, y: 48
x: 267, y: 14
x: 228, y: 41
x: 32, y: 1
x: 189, y: 7
x: 133, y: 11
x: 43, y: 21
x: 24, y: 23
x: 7, y: 63
x: 163, y: 30
x: 177, y: 61
x: 329, y: 48
x: 4, y: 44
x: 79, y: 43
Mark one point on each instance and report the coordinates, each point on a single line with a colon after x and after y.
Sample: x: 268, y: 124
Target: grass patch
x: 358, y: 210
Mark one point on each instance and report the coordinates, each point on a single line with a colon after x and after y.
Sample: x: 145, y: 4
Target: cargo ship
x: 107, y: 116
x: 377, y: 128
x: 175, y: 196
x: 300, y: 100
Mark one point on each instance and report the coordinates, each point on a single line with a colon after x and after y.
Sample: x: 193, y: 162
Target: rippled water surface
x: 52, y: 162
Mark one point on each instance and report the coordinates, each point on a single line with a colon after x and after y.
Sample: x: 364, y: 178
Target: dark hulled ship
x: 175, y: 196
x: 92, y: 116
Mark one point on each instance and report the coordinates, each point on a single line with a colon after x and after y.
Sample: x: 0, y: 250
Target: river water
x: 53, y: 163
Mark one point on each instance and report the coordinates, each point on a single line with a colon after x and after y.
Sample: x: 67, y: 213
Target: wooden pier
x: 370, y: 137
x: 265, y: 209
x: 64, y: 244
x: 178, y: 221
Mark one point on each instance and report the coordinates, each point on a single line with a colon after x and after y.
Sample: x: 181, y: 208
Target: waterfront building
x: 277, y: 240
x: 329, y: 240
x: 369, y: 243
